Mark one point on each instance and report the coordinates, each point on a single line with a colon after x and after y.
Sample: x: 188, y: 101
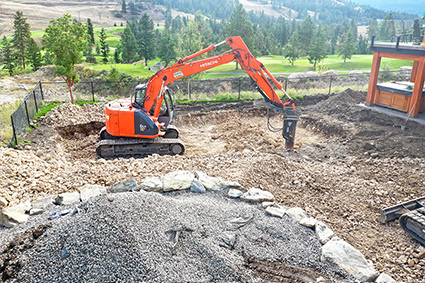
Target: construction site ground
x: 348, y: 163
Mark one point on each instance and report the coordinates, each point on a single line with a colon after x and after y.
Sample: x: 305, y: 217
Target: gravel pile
x: 175, y: 237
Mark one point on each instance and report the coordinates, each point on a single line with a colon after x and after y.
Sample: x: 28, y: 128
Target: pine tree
x: 128, y: 46
x: 372, y: 29
x: 89, y: 54
x: 8, y: 59
x: 146, y: 38
x: 21, y: 37
x: 34, y: 55
x: 347, y: 47
x: 117, y: 55
x: 104, y: 47
x: 240, y: 25
x: 167, y: 46
x: 306, y: 32
x: 317, y: 50
x: 291, y: 50
x: 123, y: 7
x: 90, y: 30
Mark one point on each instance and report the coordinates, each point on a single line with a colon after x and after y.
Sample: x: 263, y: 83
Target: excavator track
x: 134, y: 147
x: 413, y: 222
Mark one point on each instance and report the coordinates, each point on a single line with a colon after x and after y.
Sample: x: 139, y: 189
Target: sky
x: 409, y: 6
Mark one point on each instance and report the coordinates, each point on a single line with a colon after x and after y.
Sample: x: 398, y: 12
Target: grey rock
x: 151, y: 184
x: 234, y: 193
x: 10, y: 218
x: 276, y: 211
x: 233, y: 185
x: 297, y: 213
x: 36, y: 211
x: 178, y: 180
x: 329, y: 73
x: 385, y: 278
x: 299, y: 75
x: 355, y: 73
x: 312, y: 74
x: 210, y: 183
x: 197, y: 187
x: 127, y: 186
x: 308, y: 222
x: 257, y: 195
x: 67, y: 198
x: 42, y: 203
x: 229, y: 239
x: 90, y: 191
x: 323, y: 233
x: 348, y: 258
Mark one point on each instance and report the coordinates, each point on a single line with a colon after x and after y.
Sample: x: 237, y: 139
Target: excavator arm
x: 241, y: 54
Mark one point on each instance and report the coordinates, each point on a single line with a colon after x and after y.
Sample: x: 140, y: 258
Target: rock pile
x: 332, y: 249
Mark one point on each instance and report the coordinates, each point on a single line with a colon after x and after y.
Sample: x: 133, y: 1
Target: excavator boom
x: 141, y: 117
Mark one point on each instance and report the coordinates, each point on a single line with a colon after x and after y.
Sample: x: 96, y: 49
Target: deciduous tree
x: 317, y: 50
x: 66, y: 40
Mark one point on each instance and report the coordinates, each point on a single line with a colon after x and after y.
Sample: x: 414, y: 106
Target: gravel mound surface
x: 176, y: 237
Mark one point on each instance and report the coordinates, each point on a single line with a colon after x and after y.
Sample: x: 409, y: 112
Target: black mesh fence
x: 22, y: 118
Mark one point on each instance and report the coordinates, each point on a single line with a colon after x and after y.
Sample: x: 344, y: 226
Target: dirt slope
x: 348, y: 163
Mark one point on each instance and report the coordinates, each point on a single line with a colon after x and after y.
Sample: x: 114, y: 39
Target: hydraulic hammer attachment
x: 290, y: 120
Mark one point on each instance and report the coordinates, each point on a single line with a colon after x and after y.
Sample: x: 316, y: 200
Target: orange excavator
x: 140, y: 125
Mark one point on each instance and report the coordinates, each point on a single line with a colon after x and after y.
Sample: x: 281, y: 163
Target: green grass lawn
x: 137, y: 70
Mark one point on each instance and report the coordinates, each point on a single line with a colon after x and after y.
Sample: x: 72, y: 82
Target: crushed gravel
x: 174, y: 237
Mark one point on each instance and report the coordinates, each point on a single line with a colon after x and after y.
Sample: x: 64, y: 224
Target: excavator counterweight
x: 141, y: 125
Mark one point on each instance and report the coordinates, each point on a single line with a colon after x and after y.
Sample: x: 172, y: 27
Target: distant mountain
x: 413, y: 7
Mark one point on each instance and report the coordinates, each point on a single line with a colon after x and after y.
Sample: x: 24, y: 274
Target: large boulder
x: 348, y: 258
x: 312, y: 74
x: 300, y: 75
x: 257, y: 195
x: 67, y: 198
x: 329, y: 73
x: 151, y: 184
x: 323, y: 233
x: 90, y: 191
x: 178, y: 180
x: 210, y: 183
x: 297, y: 213
x: 127, y: 186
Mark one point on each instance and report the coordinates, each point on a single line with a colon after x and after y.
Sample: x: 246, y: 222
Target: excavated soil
x: 348, y: 163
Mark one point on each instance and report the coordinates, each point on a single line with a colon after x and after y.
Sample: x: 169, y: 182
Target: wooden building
x: 404, y: 96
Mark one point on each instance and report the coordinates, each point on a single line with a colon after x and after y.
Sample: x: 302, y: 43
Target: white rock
x: 348, y: 258
x: 233, y: 185
x: 210, y: 183
x: 3, y: 202
x: 234, y: 193
x: 266, y: 204
x: 257, y: 195
x: 406, y: 69
x: 22, y: 207
x: 308, y: 222
x: 297, y: 213
x: 178, y: 180
x: 323, y: 233
x: 276, y: 211
x: 11, y: 218
x: 152, y: 184
x: 67, y: 198
x: 90, y: 191
x: 384, y: 278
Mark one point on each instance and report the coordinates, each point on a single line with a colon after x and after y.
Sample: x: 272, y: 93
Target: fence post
x: 188, y: 91
x: 41, y: 90
x: 330, y: 84
x: 92, y: 90
x: 35, y: 101
x: 14, y: 131
x: 286, y: 84
x: 239, y: 88
x: 26, y: 110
